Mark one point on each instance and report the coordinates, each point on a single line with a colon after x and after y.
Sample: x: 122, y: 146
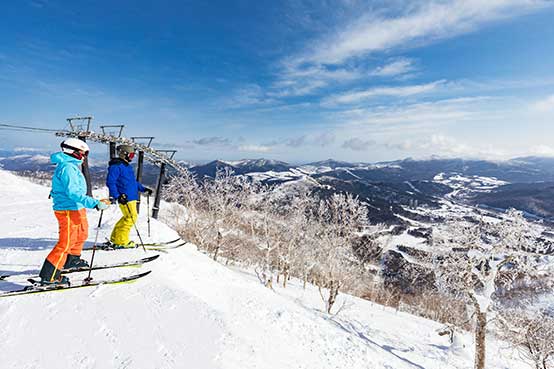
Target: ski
x: 152, y: 247
x: 38, y: 289
x: 97, y: 267
x: 107, y: 245
x: 168, y: 247
x: 163, y: 242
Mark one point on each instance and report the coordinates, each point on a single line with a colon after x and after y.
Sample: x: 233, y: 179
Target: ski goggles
x: 81, y: 154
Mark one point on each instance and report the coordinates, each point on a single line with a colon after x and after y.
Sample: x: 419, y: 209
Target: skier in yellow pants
x: 125, y: 189
x: 120, y: 233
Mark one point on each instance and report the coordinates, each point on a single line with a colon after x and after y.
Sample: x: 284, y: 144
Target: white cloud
x: 335, y: 57
x: 300, y: 87
x: 400, y: 91
x: 212, y: 141
x: 545, y: 105
x: 321, y: 139
x: 254, y: 148
x: 542, y: 150
x: 394, y: 68
x: 431, y: 21
x: 249, y: 95
x: 446, y: 146
x: 416, y: 117
x: 357, y: 144
x: 299, y: 81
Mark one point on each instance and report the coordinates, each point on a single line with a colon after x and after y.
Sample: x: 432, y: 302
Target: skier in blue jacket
x: 125, y: 189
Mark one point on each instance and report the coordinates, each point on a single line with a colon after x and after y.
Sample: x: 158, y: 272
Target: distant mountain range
x: 525, y: 183
x: 519, y: 170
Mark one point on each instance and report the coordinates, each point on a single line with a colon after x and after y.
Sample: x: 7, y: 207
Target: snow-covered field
x: 194, y: 313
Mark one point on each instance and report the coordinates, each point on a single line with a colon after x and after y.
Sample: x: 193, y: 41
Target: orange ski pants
x: 73, y: 228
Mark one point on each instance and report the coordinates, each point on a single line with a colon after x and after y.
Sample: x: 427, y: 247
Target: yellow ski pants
x: 120, y: 233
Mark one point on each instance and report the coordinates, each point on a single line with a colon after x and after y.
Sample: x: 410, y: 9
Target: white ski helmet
x: 72, y: 146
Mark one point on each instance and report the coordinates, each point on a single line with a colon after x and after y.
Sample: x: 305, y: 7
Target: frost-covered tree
x: 290, y: 233
x: 270, y: 232
x: 296, y: 252
x: 475, y: 262
x: 184, y: 193
x: 532, y: 334
x: 225, y: 198
x: 340, y: 219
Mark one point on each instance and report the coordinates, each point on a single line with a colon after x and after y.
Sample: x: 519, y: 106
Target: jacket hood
x: 60, y: 157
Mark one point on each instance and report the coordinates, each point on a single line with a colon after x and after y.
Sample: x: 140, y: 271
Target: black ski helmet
x: 126, y: 152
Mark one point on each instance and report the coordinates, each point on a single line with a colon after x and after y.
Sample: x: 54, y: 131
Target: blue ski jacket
x: 69, y: 188
x: 121, y: 179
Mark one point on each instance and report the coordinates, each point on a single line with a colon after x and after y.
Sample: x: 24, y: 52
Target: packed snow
x: 192, y: 312
x: 473, y: 183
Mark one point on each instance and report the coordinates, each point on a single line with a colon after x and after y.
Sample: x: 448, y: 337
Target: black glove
x: 113, y: 200
x: 147, y: 191
x: 122, y: 199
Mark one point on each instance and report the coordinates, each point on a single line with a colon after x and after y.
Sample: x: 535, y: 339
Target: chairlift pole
x: 158, y: 197
x: 140, y: 163
x: 139, y: 174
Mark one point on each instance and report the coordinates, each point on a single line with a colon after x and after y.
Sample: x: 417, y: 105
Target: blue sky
x: 290, y: 80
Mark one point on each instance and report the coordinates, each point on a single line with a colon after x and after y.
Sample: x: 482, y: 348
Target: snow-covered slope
x: 192, y: 312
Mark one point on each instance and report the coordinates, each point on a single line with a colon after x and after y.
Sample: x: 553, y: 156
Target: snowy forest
x: 484, y: 275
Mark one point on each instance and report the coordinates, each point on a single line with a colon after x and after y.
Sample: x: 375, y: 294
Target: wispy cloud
x: 416, y: 116
x: 39, y: 3
x: 250, y: 95
x: 447, y: 146
x: 427, y: 22
x: 340, y: 56
x: 254, y: 148
x: 357, y: 144
x: 296, y: 80
x: 212, y: 141
x: 394, y: 68
x: 321, y: 139
x: 399, y: 91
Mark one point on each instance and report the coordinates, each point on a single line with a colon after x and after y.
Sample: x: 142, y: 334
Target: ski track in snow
x: 191, y: 312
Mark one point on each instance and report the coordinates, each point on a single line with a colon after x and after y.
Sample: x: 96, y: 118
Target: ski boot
x: 63, y: 281
x: 129, y: 245
x: 75, y: 262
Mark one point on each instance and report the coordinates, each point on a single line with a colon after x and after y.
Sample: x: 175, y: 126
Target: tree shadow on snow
x: 6, y: 286
x: 390, y: 349
x: 23, y: 243
x: 440, y: 347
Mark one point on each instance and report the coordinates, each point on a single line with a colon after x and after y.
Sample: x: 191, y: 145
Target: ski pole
x: 100, y: 220
x: 88, y: 278
x: 148, y: 212
x: 135, y: 225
